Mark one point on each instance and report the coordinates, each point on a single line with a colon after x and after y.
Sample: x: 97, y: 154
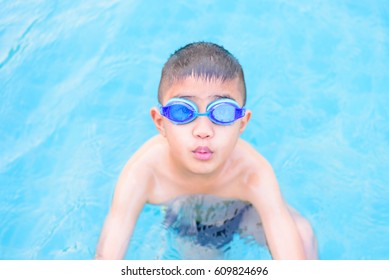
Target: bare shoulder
x: 144, y: 155
x: 138, y: 173
x: 254, y: 159
x: 259, y: 175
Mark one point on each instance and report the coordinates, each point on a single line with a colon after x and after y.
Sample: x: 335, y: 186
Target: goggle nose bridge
x: 206, y: 114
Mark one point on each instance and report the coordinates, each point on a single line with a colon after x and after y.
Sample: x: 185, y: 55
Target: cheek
x: 227, y: 138
x: 177, y: 135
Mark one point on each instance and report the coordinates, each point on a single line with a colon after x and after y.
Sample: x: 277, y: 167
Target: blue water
x: 77, y: 79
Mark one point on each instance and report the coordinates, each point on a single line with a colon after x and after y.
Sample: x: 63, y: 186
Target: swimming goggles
x: 223, y: 111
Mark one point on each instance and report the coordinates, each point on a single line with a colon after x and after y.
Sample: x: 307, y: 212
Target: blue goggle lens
x: 223, y: 113
x: 179, y: 113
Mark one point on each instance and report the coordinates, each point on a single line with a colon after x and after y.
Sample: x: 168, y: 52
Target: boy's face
x: 201, y: 147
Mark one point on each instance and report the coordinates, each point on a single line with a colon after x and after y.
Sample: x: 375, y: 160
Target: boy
x: 213, y: 183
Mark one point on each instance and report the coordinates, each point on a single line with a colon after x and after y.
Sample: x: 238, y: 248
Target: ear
x: 158, y: 120
x: 244, y: 121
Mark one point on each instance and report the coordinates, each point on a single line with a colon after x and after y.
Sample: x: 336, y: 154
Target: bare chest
x: 168, y: 188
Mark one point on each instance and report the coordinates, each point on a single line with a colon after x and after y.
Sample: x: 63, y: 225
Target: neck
x: 198, y: 182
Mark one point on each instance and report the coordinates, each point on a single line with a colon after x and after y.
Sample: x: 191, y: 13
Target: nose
x: 203, y: 128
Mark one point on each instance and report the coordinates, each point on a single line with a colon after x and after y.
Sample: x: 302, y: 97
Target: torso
x: 189, y: 204
x: 232, y: 184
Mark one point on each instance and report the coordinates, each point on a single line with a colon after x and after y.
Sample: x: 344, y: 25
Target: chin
x: 203, y: 168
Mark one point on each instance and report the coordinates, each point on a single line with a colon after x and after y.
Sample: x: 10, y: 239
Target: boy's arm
x: 128, y: 201
x: 280, y: 229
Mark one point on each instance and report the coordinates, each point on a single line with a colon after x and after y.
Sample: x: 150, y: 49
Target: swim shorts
x: 215, y: 236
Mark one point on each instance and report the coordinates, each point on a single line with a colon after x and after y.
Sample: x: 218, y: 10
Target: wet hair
x: 201, y: 60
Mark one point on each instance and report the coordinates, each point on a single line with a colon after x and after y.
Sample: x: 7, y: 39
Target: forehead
x: 202, y: 89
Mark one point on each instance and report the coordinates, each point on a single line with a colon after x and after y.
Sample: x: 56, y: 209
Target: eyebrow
x: 217, y: 96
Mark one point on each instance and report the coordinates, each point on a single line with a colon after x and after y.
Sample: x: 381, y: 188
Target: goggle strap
x: 239, y: 113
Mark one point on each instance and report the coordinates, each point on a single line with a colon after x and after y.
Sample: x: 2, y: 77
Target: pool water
x: 77, y: 80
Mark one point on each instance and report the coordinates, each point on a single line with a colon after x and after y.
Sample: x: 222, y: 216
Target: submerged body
x: 206, y: 220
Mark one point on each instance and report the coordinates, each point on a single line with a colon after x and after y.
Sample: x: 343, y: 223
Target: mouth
x: 202, y: 153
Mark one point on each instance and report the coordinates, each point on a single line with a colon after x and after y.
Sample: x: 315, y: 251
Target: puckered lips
x: 203, y: 153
